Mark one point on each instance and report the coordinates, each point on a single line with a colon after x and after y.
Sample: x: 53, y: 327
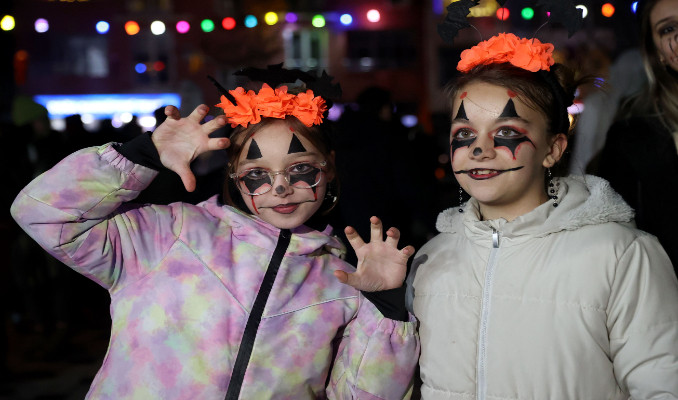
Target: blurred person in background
x: 640, y: 157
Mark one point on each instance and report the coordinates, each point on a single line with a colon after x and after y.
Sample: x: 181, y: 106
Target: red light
x: 228, y: 23
x: 158, y: 66
x: 503, y: 13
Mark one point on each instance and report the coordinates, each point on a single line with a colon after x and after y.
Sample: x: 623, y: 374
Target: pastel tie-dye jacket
x: 183, y: 279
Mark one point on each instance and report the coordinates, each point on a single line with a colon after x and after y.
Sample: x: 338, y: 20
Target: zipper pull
x: 495, y: 238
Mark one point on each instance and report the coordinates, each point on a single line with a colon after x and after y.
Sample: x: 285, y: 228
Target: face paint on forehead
x: 254, y: 152
x: 509, y: 110
x: 296, y: 146
x: 461, y: 112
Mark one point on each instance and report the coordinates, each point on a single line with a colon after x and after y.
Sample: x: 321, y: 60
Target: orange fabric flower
x: 273, y: 103
x: 244, y: 111
x: 308, y: 109
x: 528, y: 54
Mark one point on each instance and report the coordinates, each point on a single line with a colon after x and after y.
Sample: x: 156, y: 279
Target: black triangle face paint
x: 461, y: 113
x: 254, y: 152
x: 296, y: 146
x: 509, y: 110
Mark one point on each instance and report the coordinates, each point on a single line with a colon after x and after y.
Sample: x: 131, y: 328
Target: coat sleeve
x: 76, y: 212
x: 376, y: 357
x: 643, y: 321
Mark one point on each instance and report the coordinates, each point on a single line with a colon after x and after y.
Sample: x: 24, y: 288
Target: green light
x: 318, y: 21
x: 527, y: 13
x: 207, y: 25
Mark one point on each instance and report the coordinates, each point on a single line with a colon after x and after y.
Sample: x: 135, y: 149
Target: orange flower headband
x: 529, y: 54
x: 274, y: 103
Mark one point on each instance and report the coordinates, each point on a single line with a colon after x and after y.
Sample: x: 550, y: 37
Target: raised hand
x: 180, y: 140
x: 381, y: 265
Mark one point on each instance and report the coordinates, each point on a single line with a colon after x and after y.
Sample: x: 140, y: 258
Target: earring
x: 330, y: 196
x: 461, y: 210
x: 553, y: 188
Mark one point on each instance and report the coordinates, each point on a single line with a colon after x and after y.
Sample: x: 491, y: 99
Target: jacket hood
x: 583, y: 200
x: 249, y: 228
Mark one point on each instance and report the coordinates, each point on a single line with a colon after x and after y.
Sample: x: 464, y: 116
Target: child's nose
x: 482, y: 148
x: 280, y: 184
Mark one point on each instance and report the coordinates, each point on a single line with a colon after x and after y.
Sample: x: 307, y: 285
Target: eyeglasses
x: 258, y: 181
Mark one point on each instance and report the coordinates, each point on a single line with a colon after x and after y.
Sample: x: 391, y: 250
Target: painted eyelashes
x: 508, y: 112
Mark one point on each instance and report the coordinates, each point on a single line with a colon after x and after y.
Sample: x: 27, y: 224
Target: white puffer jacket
x: 560, y: 303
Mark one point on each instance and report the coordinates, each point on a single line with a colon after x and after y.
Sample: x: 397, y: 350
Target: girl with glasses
x: 237, y: 300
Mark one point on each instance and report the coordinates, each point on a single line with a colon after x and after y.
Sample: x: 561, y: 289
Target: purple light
x: 183, y: 26
x: 41, y: 25
x: 291, y: 18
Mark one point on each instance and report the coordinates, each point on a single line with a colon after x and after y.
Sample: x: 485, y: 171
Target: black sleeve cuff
x: 391, y: 303
x: 141, y: 150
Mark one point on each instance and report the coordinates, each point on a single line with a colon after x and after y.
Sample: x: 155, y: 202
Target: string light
x: 228, y: 23
x: 131, y: 27
x: 102, y: 27
x: 7, y: 23
x: 373, y: 16
x: 584, y: 10
x: 41, y: 25
x: 157, y: 27
x: 318, y: 21
x: 346, y: 19
x: 607, y: 10
x: 251, y: 21
x: 271, y: 18
x: 207, y: 25
x: 183, y: 27
x: 527, y: 13
x: 503, y: 13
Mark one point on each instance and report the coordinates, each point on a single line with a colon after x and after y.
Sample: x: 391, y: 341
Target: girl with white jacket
x: 538, y: 287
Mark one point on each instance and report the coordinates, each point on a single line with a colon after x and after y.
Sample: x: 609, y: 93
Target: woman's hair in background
x: 662, y: 87
x: 533, y: 90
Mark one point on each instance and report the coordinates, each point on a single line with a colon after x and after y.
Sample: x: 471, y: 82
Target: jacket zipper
x: 250, y: 333
x: 481, y: 369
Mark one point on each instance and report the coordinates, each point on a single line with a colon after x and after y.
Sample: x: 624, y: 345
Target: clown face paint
x: 498, y: 148
x: 283, y: 204
x: 664, y: 27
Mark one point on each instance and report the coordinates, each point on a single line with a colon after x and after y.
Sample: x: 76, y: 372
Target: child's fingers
x: 218, y: 143
x: 407, y: 252
x: 172, y: 112
x: 214, y: 124
x: 199, y: 113
x: 392, y: 237
x: 187, y: 177
x: 376, y: 231
x: 341, y: 275
x: 353, y: 238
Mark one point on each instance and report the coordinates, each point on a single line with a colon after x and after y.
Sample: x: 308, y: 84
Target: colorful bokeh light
x: 183, y: 27
x: 607, y: 10
x: 228, y: 23
x: 131, y: 27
